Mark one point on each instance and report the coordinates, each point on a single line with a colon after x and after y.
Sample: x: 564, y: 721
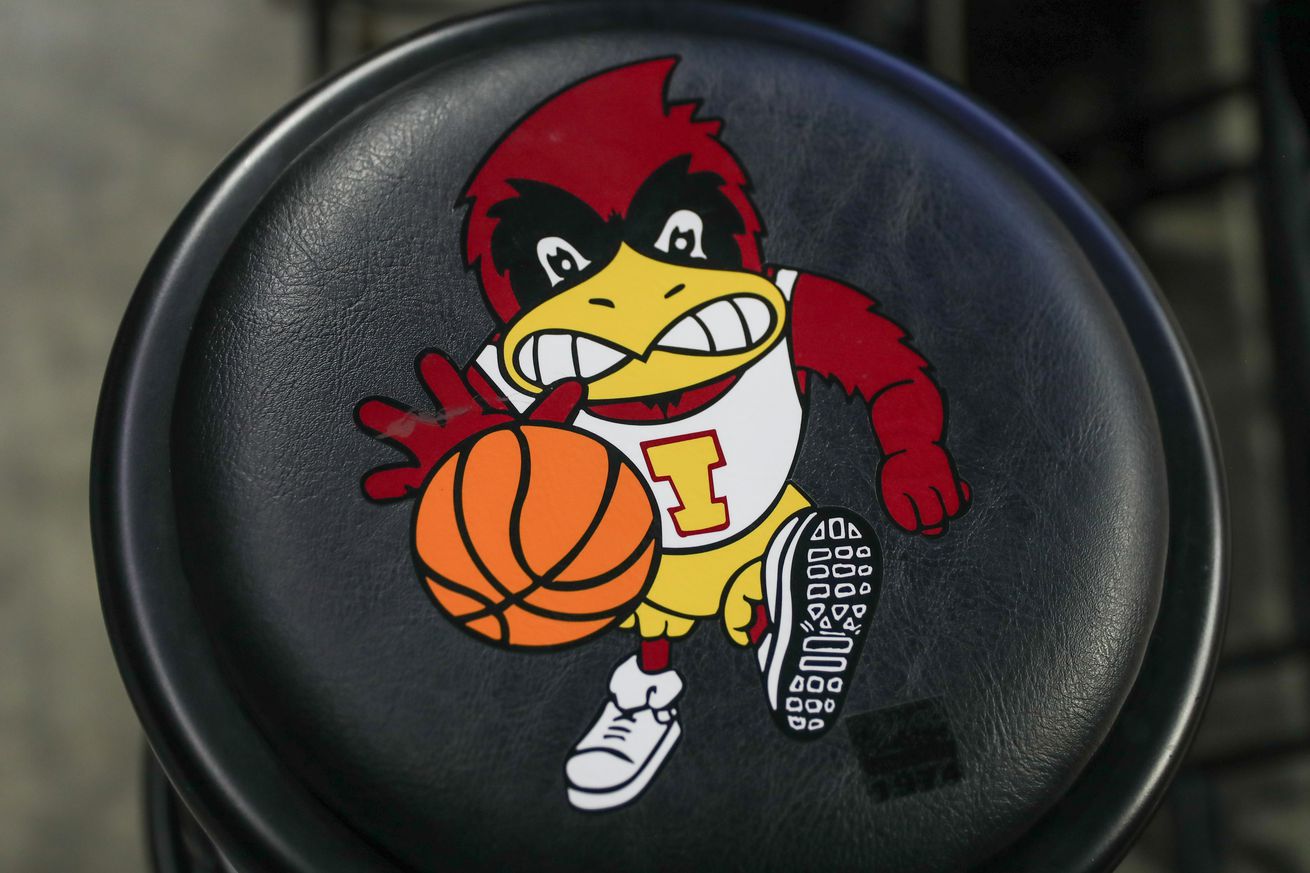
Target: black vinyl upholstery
x: 338, y: 258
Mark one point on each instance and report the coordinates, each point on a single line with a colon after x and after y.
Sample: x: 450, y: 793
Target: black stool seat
x: 624, y: 246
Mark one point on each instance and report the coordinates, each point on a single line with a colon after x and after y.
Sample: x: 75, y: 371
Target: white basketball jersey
x: 748, y: 438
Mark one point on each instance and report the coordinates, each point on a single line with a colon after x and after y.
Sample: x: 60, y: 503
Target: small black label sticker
x: 904, y: 749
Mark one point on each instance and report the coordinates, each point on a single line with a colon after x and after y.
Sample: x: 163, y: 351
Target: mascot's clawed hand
x: 840, y: 336
x: 920, y: 490
x: 463, y: 406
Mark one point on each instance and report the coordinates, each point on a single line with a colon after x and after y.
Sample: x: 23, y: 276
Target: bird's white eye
x: 559, y: 259
x: 682, y: 235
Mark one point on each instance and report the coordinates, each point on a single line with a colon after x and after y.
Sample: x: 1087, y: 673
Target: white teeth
x: 528, y: 358
x: 686, y: 335
x: 595, y: 358
x: 546, y: 358
x: 724, y: 324
x: 728, y: 325
x: 757, y: 315
x: 555, y: 358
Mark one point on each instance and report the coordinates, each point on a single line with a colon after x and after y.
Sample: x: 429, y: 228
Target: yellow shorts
x: 691, y: 585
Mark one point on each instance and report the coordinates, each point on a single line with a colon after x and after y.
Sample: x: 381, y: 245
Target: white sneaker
x: 822, y: 577
x: 617, y: 758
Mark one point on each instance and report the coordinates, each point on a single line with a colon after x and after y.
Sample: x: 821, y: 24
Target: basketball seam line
x: 513, y: 599
x: 607, y: 496
x: 518, y: 598
x: 461, y: 464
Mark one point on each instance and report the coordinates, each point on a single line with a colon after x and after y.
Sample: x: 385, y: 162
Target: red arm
x: 464, y: 405
x: 837, y: 334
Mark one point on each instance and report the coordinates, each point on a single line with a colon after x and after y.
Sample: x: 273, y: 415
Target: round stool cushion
x: 300, y: 672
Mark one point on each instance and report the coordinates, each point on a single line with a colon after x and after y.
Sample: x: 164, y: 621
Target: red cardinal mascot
x: 618, y: 249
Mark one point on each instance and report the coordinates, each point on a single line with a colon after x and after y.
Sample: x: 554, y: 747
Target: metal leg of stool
x: 176, y: 842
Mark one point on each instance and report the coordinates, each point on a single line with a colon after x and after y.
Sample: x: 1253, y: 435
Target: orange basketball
x: 536, y: 535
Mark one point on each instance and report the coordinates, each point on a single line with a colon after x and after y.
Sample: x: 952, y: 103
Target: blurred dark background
x: 1186, y: 119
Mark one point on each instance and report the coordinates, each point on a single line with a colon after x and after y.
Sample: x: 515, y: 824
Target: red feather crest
x: 599, y: 140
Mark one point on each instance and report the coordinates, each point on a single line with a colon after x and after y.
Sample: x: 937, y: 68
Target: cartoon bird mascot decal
x: 620, y: 452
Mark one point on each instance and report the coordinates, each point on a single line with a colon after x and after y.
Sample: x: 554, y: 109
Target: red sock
x: 654, y: 655
x: 760, y: 626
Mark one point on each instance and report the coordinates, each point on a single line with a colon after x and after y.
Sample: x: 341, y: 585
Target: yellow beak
x: 642, y: 327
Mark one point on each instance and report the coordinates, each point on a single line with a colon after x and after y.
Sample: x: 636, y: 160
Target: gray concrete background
x: 112, y: 113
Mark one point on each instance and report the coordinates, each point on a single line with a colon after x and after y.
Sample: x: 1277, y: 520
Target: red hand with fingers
x: 838, y: 334
x: 464, y: 405
x: 920, y: 490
